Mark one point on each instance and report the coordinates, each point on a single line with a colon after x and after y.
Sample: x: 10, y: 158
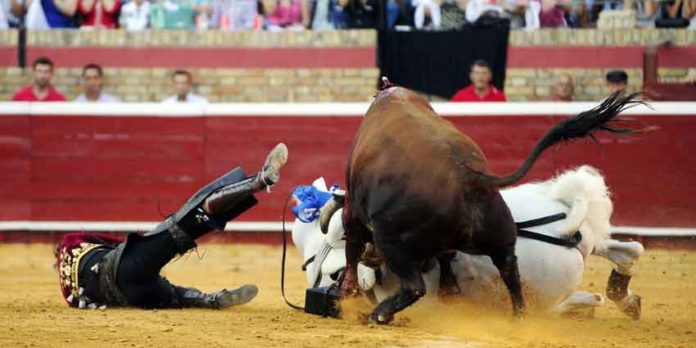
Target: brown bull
x: 418, y: 187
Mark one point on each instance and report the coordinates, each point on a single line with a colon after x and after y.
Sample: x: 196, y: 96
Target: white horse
x: 551, y: 266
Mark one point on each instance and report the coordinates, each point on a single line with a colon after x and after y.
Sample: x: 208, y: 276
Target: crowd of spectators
x: 135, y: 15
x: 481, y: 88
x: 41, y: 88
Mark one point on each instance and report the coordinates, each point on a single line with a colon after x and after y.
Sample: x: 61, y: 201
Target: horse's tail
x: 602, y: 118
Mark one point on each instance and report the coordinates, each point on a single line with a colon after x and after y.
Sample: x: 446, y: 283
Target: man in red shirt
x: 480, y: 89
x: 564, y: 89
x: 40, y: 90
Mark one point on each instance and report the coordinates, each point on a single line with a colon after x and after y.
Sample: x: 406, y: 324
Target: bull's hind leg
x: 412, y: 287
x: 505, y: 260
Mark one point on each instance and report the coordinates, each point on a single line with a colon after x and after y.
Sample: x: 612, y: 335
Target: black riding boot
x: 221, y: 201
x: 191, y: 297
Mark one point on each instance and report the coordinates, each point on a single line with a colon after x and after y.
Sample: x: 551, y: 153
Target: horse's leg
x: 505, y: 260
x: 624, y: 255
x: 408, y: 269
x: 448, y: 282
x: 580, y: 303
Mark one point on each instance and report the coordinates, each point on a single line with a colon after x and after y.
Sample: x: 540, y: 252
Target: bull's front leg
x: 624, y: 255
x: 355, y: 235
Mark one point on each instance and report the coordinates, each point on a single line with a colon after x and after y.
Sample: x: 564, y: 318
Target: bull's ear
x: 327, y: 212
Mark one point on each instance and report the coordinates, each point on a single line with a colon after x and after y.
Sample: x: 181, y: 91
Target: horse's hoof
x: 380, y: 319
x: 631, y: 305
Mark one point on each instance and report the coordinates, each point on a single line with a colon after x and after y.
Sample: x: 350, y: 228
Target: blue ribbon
x: 310, y: 200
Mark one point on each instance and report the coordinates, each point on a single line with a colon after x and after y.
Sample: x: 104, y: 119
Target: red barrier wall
x: 119, y: 168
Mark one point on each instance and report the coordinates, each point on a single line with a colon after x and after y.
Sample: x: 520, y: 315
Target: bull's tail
x: 602, y: 118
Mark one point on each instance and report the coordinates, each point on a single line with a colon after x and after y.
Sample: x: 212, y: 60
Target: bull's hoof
x: 380, y: 319
x: 631, y: 305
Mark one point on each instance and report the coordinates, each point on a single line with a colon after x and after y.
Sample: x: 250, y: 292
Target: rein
x: 570, y: 242
x: 285, y: 247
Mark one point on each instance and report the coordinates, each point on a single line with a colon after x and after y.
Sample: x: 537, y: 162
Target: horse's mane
x: 585, y: 183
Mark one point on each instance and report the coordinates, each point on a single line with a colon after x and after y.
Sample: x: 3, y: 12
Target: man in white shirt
x: 93, y: 83
x: 183, y: 84
x: 135, y: 15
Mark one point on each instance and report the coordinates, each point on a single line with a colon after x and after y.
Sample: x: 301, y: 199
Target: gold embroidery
x: 70, y: 263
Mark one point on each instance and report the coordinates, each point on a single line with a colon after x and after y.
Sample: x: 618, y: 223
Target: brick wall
x: 536, y: 83
x: 318, y: 83
x: 219, y: 85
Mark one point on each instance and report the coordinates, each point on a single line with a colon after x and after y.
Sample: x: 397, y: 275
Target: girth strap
x: 541, y: 221
x: 571, y: 242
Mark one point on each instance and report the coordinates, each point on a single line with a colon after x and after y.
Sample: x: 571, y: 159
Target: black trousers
x: 138, y: 273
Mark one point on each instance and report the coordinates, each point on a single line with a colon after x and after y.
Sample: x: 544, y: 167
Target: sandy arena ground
x: 32, y: 312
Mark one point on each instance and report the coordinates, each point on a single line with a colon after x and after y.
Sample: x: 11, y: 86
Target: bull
x: 418, y: 188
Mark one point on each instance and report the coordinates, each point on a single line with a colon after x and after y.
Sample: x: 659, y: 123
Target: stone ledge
x: 338, y: 38
x: 596, y: 37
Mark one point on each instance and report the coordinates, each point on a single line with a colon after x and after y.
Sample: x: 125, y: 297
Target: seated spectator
x: 239, y: 14
x: 172, y: 14
x: 287, y: 14
x: 564, y: 89
x: 60, y: 14
x: 4, y: 23
x: 481, y: 89
x: 135, y: 15
x: 93, y: 84
x: 183, y: 84
x: 321, y: 14
x: 429, y: 8
x: 360, y: 14
x: 453, y: 15
x: 617, y: 80
x: 551, y: 15
x: 41, y: 89
x: 476, y: 9
x: 11, y: 11
x: 670, y: 13
x: 99, y: 14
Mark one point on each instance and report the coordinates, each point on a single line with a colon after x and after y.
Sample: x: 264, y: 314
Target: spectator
x: 670, y: 13
x: 239, y: 14
x: 564, y: 89
x: 428, y: 8
x: 12, y: 11
x: 135, y: 15
x: 481, y: 89
x: 551, y: 14
x: 41, y: 88
x: 617, y: 80
x: 60, y: 14
x: 328, y: 14
x: 4, y: 23
x: 207, y: 13
x: 93, y: 83
x: 360, y: 14
x: 476, y: 9
x: 453, y: 15
x: 172, y: 14
x: 287, y: 14
x: 183, y: 84
x: 99, y: 14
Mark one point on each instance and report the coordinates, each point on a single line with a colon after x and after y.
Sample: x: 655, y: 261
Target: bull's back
x: 407, y: 160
